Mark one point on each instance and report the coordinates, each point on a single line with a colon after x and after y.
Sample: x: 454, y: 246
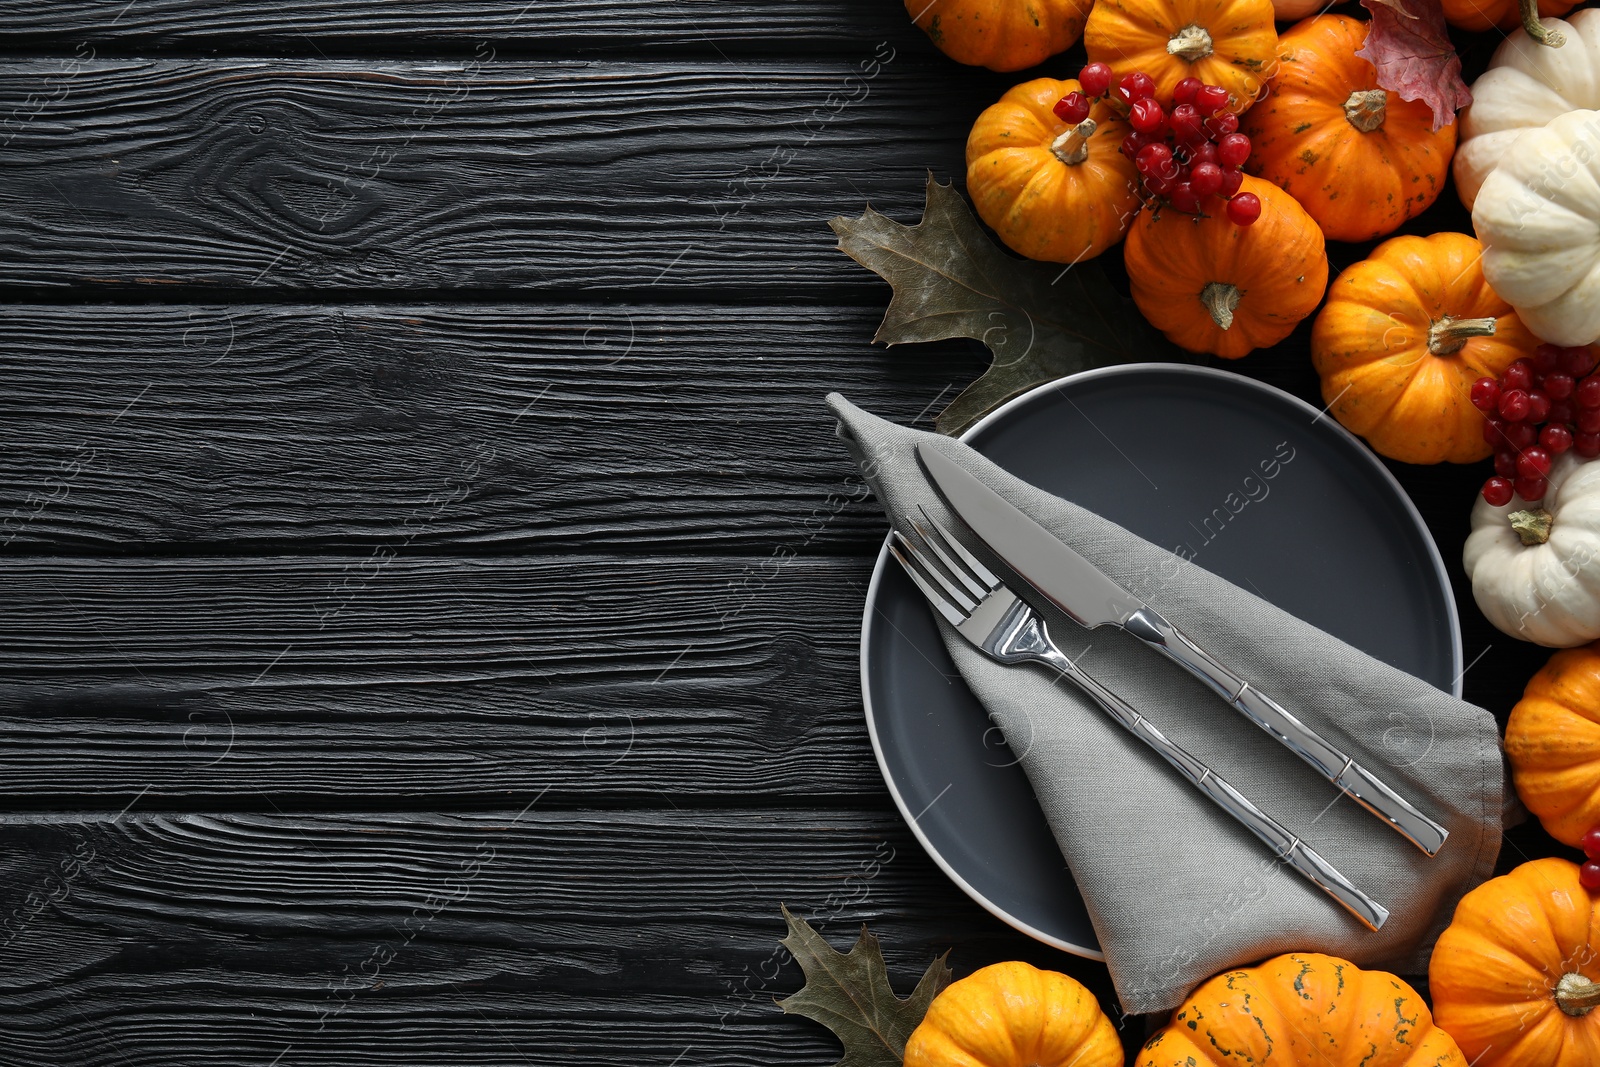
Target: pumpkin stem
x: 1072, y: 147
x: 1450, y: 333
x: 1536, y: 29
x: 1533, y: 528
x: 1576, y: 995
x: 1193, y: 43
x: 1220, y: 299
x: 1366, y: 109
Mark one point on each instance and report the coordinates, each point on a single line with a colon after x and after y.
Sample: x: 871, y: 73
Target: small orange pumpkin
x: 1051, y: 191
x: 1211, y: 286
x: 1404, y: 335
x: 1515, y: 978
x: 1302, y: 1010
x: 1231, y: 43
x: 1553, y: 741
x: 1358, y: 158
x: 1002, y: 35
x: 1505, y: 14
x: 1014, y: 1015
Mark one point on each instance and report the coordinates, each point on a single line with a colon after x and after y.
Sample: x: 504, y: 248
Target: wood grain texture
x: 552, y: 176
x: 519, y: 936
x: 620, y: 26
x: 392, y: 680
x: 502, y: 426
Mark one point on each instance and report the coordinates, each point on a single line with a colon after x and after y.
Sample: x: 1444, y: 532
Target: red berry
x: 1534, y: 463
x: 1588, y: 393
x: 1589, y: 875
x: 1072, y: 108
x: 1558, y: 385
x: 1494, y: 431
x: 1244, y: 209
x: 1209, y: 98
x: 1183, y: 92
x: 1561, y: 411
x: 1577, y: 361
x: 1230, y: 182
x: 1518, y: 376
x: 1136, y: 86
x: 1514, y: 404
x: 1546, y: 358
x: 1223, y: 124
x: 1205, y: 152
x: 1185, y: 123
x: 1555, y: 438
x: 1233, y: 150
x: 1530, y: 489
x: 1095, y: 79
x: 1589, y: 420
x: 1505, y: 463
x: 1486, y: 394
x: 1538, y: 406
x: 1146, y: 115
x: 1520, y: 436
x: 1133, y: 143
x: 1586, y: 445
x: 1155, y: 159
x: 1497, y: 491
x: 1206, y: 178
x: 1184, y: 199
x: 1591, y: 844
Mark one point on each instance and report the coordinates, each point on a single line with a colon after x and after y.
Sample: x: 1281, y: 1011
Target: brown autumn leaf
x: 1040, y: 320
x: 1410, y: 47
x: 850, y: 995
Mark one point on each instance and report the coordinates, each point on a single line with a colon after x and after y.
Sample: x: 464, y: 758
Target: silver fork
x: 1005, y: 628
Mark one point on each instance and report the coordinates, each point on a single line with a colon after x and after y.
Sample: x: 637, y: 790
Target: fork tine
x: 953, y: 614
x: 936, y: 542
x: 974, y: 566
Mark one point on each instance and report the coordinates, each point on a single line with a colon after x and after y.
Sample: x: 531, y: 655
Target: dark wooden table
x: 400, y: 398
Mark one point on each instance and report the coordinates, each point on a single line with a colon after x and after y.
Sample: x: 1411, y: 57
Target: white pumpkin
x: 1538, y: 217
x: 1545, y: 591
x: 1527, y: 84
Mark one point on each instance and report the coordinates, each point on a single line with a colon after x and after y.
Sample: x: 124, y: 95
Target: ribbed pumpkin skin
x: 1302, y: 1010
x: 1279, y: 264
x: 1000, y: 34
x: 1014, y: 1015
x: 1553, y: 739
x: 1356, y: 185
x: 1502, y: 14
x: 1041, y: 207
x: 1370, y: 345
x: 1132, y: 35
x: 1495, y: 968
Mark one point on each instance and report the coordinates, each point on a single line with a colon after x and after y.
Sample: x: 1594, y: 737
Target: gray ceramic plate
x: 1157, y: 448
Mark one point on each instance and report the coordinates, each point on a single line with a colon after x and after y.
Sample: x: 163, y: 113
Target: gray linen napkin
x: 1176, y: 889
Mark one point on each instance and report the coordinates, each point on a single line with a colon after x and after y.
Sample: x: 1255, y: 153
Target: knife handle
x: 1336, y: 766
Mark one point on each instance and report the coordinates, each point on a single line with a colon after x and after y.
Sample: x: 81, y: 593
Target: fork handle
x: 1285, y: 845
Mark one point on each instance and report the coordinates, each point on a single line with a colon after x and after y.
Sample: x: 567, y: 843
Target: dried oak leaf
x: 1410, y: 47
x: 1040, y: 320
x: 850, y: 995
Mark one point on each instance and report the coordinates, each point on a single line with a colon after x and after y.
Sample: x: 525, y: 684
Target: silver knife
x: 1080, y: 589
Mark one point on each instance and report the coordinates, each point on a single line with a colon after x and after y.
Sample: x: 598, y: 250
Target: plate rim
x: 1457, y: 652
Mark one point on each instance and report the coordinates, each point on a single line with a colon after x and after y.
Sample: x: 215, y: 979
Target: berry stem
x: 1533, y: 527
x: 1194, y: 43
x: 1072, y: 147
x: 1536, y: 29
x: 1577, y: 995
x: 1450, y: 333
x: 1365, y: 109
x: 1220, y: 299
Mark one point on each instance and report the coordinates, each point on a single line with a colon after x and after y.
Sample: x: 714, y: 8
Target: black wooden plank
x: 520, y: 936
x: 622, y: 25
x: 557, y: 175
x: 631, y: 426
x: 377, y: 680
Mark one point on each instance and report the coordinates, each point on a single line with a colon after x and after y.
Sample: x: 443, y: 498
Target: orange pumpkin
x: 1553, y: 741
x: 1051, y: 192
x: 1504, y: 14
x: 1516, y: 977
x: 1404, y: 335
x: 1014, y: 1015
x: 1302, y: 1010
x: 1001, y: 34
x: 1211, y: 286
x: 1358, y: 158
x: 1231, y: 43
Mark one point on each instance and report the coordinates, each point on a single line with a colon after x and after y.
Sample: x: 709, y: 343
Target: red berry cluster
x: 1185, y: 156
x: 1535, y: 411
x: 1589, y: 873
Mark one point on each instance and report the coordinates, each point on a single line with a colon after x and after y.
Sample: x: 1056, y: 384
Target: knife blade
x: 1089, y: 597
